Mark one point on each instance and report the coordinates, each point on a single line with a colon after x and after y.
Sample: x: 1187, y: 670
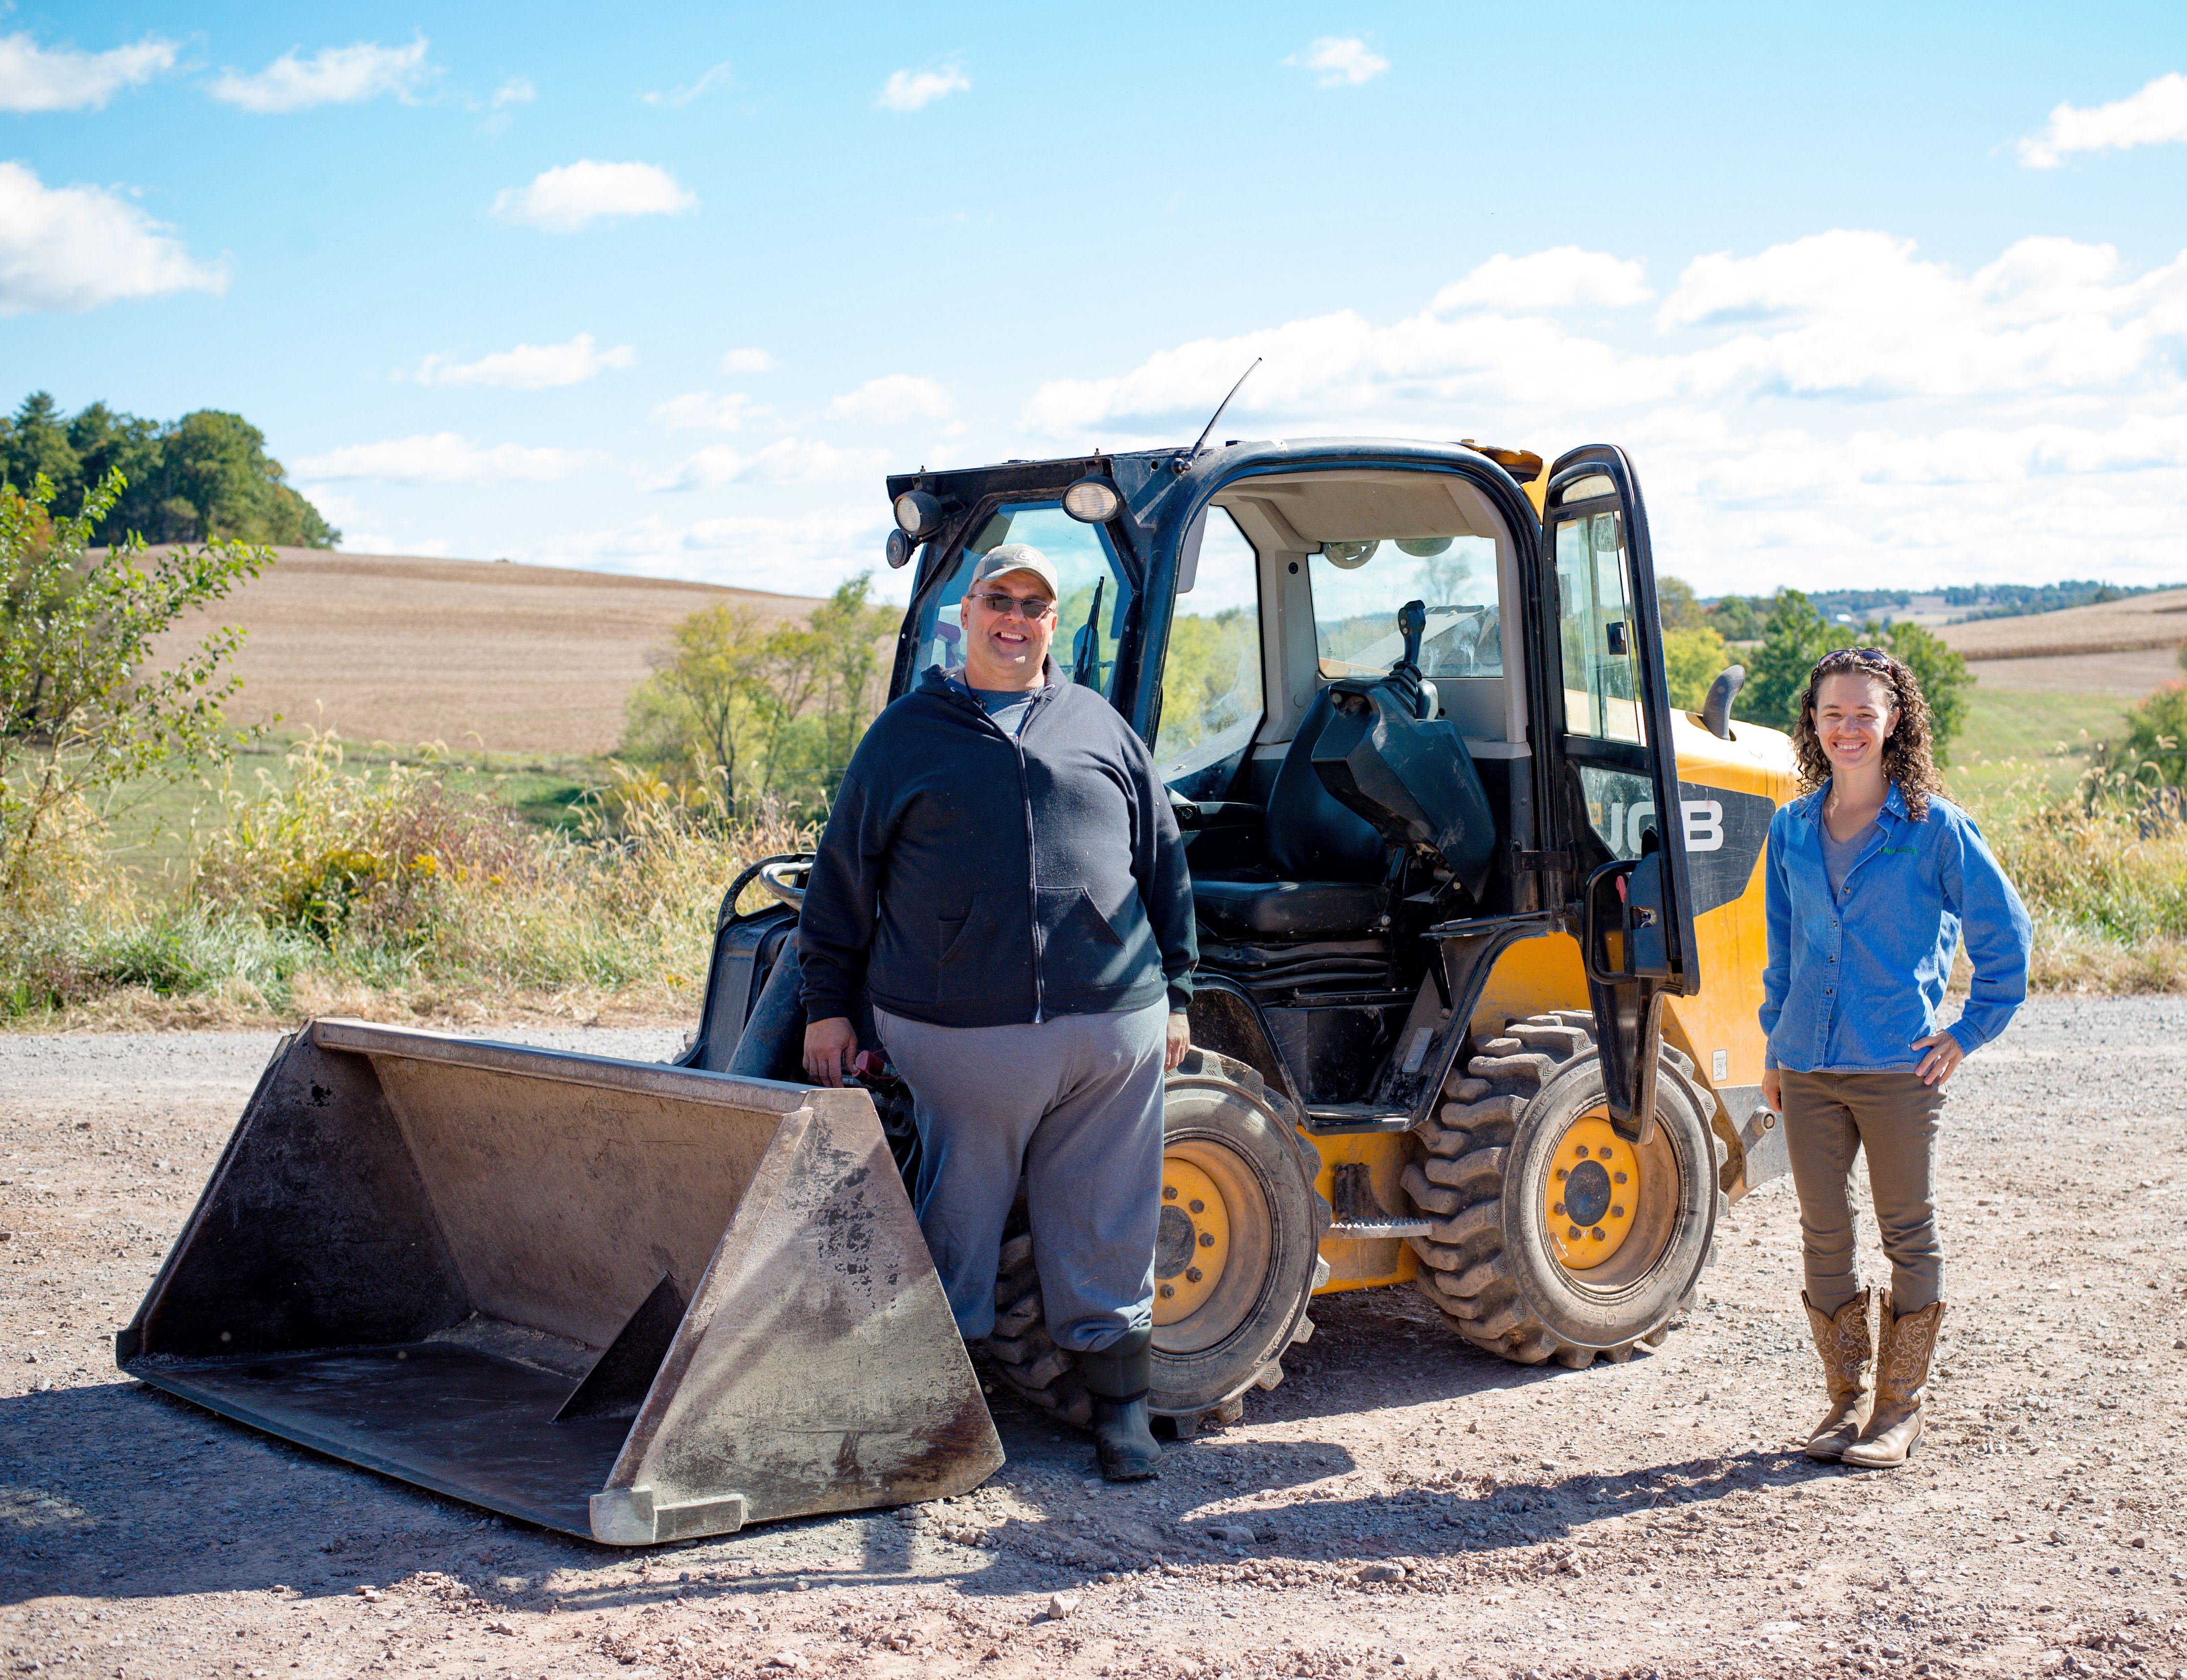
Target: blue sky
x: 1875, y: 296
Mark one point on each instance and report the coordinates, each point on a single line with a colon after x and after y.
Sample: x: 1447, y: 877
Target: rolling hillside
x: 473, y: 653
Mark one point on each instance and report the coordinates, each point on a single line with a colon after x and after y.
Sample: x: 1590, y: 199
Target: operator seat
x: 1332, y: 864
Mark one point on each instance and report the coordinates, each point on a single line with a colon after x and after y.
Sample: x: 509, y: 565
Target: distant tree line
x: 203, y: 477
x: 1740, y: 618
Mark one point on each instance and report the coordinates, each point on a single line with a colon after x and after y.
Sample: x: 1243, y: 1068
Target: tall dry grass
x: 2104, y: 873
x: 382, y: 892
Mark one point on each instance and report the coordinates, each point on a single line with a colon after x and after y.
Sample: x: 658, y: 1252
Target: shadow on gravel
x: 116, y: 1490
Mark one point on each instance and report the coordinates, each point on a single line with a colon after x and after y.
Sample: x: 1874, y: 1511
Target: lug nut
x: 1169, y: 1193
x: 1617, y: 1178
x: 1617, y: 1213
x: 1571, y: 1234
x: 1197, y: 1206
x: 1192, y: 1274
x: 1559, y: 1210
x: 1562, y: 1175
x: 1596, y: 1234
x: 1208, y: 1240
x: 1167, y: 1290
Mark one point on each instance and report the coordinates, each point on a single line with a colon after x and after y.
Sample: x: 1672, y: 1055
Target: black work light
x: 898, y: 552
x: 918, y: 514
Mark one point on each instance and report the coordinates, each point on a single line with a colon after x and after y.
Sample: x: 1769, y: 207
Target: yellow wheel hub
x: 1193, y: 1243
x: 1593, y: 1190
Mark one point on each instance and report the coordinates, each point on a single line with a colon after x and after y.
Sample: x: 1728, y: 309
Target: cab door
x: 1614, y: 771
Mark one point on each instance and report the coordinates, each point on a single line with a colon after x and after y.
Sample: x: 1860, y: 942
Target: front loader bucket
x: 618, y: 1299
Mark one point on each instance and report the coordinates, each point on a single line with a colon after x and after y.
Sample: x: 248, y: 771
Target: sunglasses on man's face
x: 1032, y: 609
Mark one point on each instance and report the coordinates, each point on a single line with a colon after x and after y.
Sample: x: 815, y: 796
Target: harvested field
x: 2141, y: 621
x: 2129, y: 674
x: 1402, y: 1505
x: 482, y: 655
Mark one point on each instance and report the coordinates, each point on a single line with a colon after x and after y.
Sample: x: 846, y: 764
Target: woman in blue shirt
x: 1873, y: 880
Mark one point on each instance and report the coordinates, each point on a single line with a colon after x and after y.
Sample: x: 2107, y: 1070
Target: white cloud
x: 747, y: 360
x: 529, y: 366
x: 445, y: 458
x: 703, y: 411
x: 574, y: 196
x: 2154, y: 116
x: 914, y: 90
x: 1563, y: 278
x: 1340, y: 61
x: 893, y: 399
x: 333, y: 75
x: 1833, y: 404
x: 792, y: 460
x: 33, y: 78
x: 677, y: 98
x: 76, y: 248
x: 516, y: 91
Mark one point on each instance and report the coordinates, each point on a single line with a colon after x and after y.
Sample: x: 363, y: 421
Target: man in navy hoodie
x: 1002, y: 874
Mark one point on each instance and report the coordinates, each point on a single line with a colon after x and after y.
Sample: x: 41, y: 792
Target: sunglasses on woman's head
x: 1876, y: 658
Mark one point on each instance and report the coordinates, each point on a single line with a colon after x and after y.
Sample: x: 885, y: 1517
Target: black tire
x: 1495, y: 1263
x: 1221, y: 1122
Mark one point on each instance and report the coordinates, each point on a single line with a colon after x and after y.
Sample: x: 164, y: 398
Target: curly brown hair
x: 1907, y: 759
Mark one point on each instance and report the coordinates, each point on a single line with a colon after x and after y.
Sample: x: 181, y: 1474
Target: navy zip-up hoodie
x: 966, y: 878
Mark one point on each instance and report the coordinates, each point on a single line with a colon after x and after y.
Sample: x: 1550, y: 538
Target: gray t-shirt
x: 1838, y: 855
x: 1006, y: 706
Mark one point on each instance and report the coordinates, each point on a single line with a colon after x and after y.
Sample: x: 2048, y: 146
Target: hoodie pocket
x: 966, y: 967
x: 1083, y: 950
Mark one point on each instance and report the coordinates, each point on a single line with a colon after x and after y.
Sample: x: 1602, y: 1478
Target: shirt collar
x: 1894, y: 804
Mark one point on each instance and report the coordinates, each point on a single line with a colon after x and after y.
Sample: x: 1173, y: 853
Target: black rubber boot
x: 1117, y: 1379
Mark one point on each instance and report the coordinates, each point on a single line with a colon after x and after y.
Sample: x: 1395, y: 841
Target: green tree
x: 82, y: 710
x: 855, y: 633
x: 1795, y: 635
x: 1691, y: 658
x: 1676, y: 606
x: 204, y: 476
x: 1736, y: 619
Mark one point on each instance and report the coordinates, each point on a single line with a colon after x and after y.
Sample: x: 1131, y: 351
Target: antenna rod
x: 1219, y: 408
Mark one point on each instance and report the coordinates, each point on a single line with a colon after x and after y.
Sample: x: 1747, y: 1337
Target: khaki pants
x: 1829, y: 1117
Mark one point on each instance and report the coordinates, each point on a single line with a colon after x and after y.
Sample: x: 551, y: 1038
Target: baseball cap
x: 1011, y: 557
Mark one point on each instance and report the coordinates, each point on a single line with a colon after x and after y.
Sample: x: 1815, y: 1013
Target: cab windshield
x: 1358, y: 587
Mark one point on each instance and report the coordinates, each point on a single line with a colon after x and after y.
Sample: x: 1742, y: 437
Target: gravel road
x: 1401, y: 1505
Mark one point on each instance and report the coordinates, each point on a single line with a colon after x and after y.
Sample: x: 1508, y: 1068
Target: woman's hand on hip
x: 1773, y: 1088
x: 1943, y: 1060
x: 1179, y: 1041
x: 829, y: 1047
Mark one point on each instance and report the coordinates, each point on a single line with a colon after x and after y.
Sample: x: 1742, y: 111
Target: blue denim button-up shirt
x: 1851, y: 984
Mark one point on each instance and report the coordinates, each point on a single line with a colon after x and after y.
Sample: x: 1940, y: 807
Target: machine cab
x: 1409, y: 701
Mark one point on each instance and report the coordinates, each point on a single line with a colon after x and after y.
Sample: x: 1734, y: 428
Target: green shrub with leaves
x: 2153, y: 752
x: 83, y: 708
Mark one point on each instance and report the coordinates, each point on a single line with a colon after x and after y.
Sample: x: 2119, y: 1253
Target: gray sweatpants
x: 1892, y: 1118
x: 1075, y: 1103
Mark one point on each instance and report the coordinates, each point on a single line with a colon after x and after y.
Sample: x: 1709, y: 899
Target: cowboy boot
x: 1902, y: 1374
x: 1841, y: 1339
x: 1117, y: 1379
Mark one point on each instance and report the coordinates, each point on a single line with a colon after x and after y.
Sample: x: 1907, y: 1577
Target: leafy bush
x: 2152, y: 755
x: 762, y: 715
x: 83, y: 709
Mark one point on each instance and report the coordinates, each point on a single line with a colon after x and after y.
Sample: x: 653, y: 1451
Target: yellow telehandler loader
x: 1481, y: 943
